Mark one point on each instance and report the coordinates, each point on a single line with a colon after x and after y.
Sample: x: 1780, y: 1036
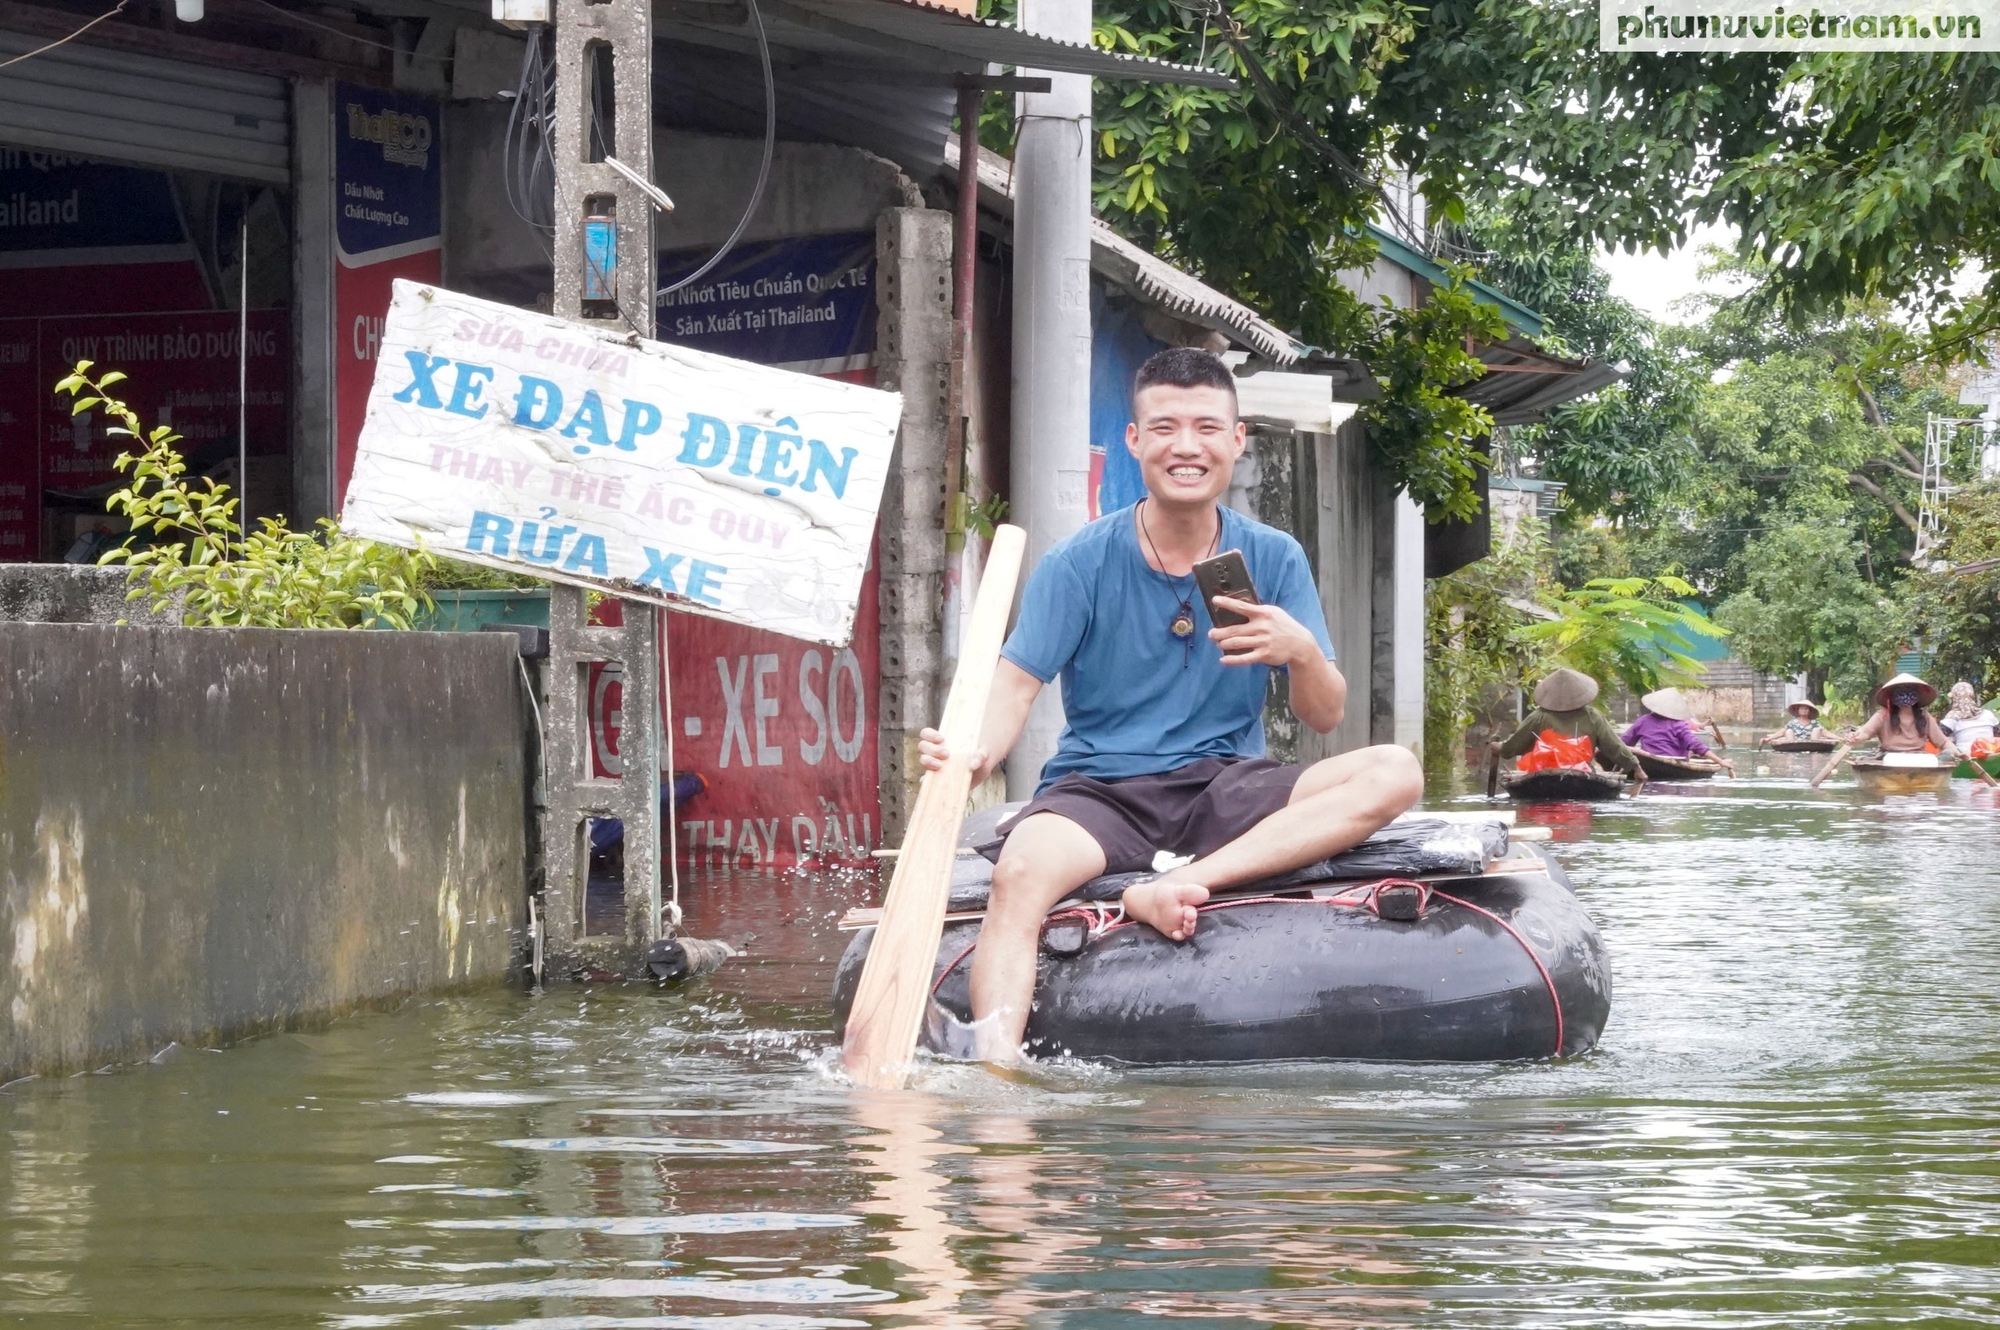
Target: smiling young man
x: 1163, y: 748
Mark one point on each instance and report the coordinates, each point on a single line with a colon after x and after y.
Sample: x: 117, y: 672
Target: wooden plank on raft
x: 880, y: 1042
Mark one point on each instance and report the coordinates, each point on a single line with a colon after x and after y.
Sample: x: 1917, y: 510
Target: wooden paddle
x: 1493, y: 773
x: 895, y: 989
x: 1831, y: 763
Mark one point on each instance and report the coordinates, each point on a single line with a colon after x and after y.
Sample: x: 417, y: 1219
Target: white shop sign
x: 524, y: 442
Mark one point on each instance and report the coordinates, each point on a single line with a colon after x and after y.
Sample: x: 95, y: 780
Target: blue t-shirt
x: 1137, y: 700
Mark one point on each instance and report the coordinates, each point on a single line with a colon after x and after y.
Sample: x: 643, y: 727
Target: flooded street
x: 1792, y: 1119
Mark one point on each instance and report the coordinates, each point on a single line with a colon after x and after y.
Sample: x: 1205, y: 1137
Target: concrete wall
x: 1366, y: 547
x: 72, y: 593
x: 205, y: 832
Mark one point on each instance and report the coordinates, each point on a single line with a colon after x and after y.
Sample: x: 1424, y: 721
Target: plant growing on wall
x: 1629, y: 630
x: 1473, y: 647
x: 187, y: 548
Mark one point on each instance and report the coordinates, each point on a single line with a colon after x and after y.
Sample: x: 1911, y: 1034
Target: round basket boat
x: 1563, y: 783
x: 1882, y: 778
x: 1658, y: 767
x: 1802, y: 745
x: 1964, y: 771
x: 1501, y: 965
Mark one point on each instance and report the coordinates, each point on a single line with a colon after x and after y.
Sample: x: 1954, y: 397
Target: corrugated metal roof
x: 1151, y: 280
x: 874, y: 39
x: 723, y: 92
x: 1523, y: 383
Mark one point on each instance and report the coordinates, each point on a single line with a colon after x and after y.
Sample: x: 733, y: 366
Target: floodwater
x: 1792, y: 1120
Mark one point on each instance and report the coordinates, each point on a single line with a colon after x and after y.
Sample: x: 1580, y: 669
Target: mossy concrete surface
x: 206, y: 832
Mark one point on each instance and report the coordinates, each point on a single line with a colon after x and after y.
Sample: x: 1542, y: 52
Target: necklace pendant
x: 1183, y: 626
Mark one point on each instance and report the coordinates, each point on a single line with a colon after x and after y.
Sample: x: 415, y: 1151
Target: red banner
x: 20, y: 479
x: 782, y: 731
x: 181, y: 371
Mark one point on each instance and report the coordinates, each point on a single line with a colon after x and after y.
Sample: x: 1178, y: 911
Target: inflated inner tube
x: 1501, y: 966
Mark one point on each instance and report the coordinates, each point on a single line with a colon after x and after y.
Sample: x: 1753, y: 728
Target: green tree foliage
x: 1621, y: 451
x: 1629, y: 630
x: 1955, y: 604
x: 1806, y: 606
x: 1266, y: 192
x: 187, y: 547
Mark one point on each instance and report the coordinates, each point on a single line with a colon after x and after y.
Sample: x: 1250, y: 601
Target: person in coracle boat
x: 1801, y: 725
x: 1970, y: 725
x: 1667, y: 729
x: 1564, y: 729
x: 1162, y: 748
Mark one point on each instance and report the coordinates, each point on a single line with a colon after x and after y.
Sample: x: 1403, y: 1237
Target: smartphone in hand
x: 1225, y: 575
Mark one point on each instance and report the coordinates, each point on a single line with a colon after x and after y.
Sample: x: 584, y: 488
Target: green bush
x: 187, y: 548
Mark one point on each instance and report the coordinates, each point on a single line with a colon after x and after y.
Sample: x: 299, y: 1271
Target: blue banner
x: 387, y: 168
x: 52, y: 202
x: 805, y: 303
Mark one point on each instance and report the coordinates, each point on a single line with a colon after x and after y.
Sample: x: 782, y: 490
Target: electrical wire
x: 763, y: 169
x: 30, y: 55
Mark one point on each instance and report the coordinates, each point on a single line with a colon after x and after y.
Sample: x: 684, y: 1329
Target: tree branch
x: 1917, y: 476
x: 1870, y: 408
x: 1859, y: 481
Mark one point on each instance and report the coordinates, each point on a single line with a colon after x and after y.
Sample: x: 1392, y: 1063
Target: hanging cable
x: 763, y: 169
x: 30, y: 55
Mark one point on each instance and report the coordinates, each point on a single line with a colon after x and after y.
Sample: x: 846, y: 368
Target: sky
x: 1655, y: 282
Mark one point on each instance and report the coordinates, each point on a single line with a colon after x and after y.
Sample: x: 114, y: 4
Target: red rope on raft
x: 1547, y: 978
x: 1364, y: 896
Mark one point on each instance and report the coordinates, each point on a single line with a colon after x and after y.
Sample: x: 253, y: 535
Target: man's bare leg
x: 1337, y: 804
x: 1046, y: 858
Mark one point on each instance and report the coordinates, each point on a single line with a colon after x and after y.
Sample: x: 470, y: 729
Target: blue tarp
x: 1118, y: 346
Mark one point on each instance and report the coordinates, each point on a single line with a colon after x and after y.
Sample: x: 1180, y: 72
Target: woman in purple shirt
x: 1665, y: 731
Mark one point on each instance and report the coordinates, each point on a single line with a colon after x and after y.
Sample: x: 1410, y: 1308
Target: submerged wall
x: 205, y: 832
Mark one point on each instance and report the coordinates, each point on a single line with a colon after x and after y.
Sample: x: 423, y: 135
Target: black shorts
x: 1194, y: 810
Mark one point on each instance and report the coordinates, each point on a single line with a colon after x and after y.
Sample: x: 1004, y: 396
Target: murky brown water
x: 1793, y: 1120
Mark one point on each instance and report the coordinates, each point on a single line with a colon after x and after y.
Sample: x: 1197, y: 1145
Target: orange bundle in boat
x: 1982, y: 748
x: 1554, y: 751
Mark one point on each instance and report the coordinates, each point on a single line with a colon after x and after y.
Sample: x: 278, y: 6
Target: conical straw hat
x: 1811, y: 709
x: 1565, y: 690
x: 1667, y: 702
x: 1925, y: 693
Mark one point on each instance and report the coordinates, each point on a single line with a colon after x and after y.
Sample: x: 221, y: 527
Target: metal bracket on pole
x: 605, y: 276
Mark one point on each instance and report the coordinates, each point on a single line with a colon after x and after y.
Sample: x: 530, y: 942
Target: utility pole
x: 1051, y: 452
x: 605, y: 274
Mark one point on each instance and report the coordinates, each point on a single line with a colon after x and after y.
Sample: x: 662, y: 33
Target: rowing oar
x: 1493, y: 773
x: 895, y: 989
x: 1979, y: 769
x: 1831, y: 763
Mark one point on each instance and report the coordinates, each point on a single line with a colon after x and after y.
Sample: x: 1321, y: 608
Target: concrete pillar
x: 1396, y: 678
x: 313, y: 206
x: 1051, y: 417
x: 913, y: 352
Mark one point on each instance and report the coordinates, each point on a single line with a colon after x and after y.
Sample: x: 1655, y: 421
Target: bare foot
x: 1166, y: 905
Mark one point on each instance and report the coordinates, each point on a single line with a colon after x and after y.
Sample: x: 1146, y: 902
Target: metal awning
x: 1523, y: 383
x: 901, y: 41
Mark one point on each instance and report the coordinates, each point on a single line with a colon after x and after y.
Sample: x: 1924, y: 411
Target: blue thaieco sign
x: 387, y: 167
x: 521, y: 441
x: 806, y: 303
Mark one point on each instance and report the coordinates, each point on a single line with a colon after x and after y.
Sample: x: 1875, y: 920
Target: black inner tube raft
x: 1506, y: 966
